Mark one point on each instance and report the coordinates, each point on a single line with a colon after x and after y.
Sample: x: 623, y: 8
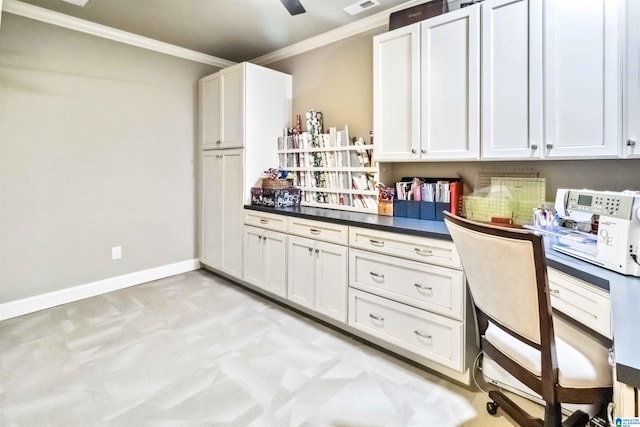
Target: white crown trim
x: 60, y: 19
x: 75, y: 293
x: 358, y: 27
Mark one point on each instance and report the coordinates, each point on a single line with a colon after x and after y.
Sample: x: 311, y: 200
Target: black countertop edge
x: 624, y: 290
x: 410, y: 226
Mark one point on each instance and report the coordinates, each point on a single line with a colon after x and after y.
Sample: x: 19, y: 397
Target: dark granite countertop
x: 624, y: 290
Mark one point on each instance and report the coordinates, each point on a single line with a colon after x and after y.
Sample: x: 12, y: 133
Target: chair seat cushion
x: 582, y: 361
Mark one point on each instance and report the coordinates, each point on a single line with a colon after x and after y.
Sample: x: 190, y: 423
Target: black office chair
x: 507, y: 277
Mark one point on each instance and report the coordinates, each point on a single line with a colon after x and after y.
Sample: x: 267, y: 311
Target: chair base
x: 553, y: 416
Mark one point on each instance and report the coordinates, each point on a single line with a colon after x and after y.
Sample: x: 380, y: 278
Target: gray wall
x: 337, y: 79
x: 97, y: 144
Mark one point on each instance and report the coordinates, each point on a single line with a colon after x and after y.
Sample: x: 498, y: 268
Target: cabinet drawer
x: 425, y: 334
x: 266, y: 220
x: 423, y: 249
x: 319, y: 230
x: 584, y: 302
x: 432, y: 288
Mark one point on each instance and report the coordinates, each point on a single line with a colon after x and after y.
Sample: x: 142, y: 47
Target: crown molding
x: 358, y: 27
x: 26, y: 10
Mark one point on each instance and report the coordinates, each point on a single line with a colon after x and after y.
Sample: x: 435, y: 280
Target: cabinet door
x: 300, y: 271
x: 451, y: 85
x: 211, y: 213
x: 581, y: 78
x: 274, y: 268
x: 331, y: 280
x: 209, y: 114
x: 631, y: 137
x: 232, y: 208
x: 511, y: 79
x: 232, y: 133
x: 253, y: 255
x: 396, y: 94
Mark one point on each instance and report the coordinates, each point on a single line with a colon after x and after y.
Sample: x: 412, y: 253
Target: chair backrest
x: 506, y: 273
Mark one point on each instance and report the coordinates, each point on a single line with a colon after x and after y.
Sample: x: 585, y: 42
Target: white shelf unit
x: 334, y: 176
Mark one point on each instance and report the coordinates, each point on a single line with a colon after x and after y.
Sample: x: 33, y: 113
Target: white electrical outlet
x: 116, y: 252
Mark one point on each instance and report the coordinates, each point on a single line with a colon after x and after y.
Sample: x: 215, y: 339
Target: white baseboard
x: 75, y: 293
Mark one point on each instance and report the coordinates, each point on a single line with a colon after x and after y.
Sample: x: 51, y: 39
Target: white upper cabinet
x: 581, y: 57
x: 209, y: 98
x: 512, y: 79
x: 450, y: 113
x: 232, y: 82
x: 396, y: 94
x: 631, y: 120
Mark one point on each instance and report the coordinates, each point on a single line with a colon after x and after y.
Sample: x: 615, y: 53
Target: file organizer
x: 430, y: 211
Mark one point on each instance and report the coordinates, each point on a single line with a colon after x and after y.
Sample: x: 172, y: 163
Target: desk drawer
x: 266, y: 220
x: 422, y: 249
x: 426, y: 334
x: 586, y: 303
x: 319, y: 230
x: 432, y: 288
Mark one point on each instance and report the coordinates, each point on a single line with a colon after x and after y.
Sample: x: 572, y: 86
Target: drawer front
x: 266, y: 220
x: 422, y: 249
x: 426, y: 334
x: 584, y: 302
x: 318, y: 230
x: 432, y: 288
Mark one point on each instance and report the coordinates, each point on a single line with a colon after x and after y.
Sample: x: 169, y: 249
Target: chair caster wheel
x: 492, y: 408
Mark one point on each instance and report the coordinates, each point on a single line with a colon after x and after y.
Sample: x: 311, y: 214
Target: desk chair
x: 507, y: 276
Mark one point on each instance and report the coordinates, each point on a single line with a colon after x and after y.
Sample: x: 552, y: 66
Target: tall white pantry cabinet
x: 242, y: 111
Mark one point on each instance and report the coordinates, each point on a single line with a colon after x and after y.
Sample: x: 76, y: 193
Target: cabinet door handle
x: 423, y: 287
x: 378, y: 318
x: 376, y: 243
x: 631, y: 143
x: 549, y: 146
x: 310, y: 251
x: 534, y: 146
x: 317, y: 251
x: 218, y: 142
x: 264, y: 221
x: 423, y: 151
x: 413, y: 151
x: 315, y: 231
x: 421, y: 335
x: 554, y: 291
x: 425, y: 252
x: 379, y: 276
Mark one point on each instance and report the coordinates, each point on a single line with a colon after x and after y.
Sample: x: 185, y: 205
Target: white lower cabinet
x: 435, y: 337
x: 265, y: 260
x: 317, y: 276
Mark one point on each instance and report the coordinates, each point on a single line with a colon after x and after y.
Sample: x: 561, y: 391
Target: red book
x: 455, y: 190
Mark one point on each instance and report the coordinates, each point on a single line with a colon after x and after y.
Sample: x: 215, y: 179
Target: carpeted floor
x: 194, y: 349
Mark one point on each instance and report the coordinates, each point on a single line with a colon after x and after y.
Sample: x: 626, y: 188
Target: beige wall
x: 337, y: 79
x: 97, y: 144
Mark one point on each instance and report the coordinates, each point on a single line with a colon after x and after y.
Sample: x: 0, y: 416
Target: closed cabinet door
x: 232, y: 133
x: 581, y: 78
x: 253, y: 259
x: 631, y: 120
x: 512, y: 79
x: 232, y: 209
x: 300, y: 271
x: 211, y: 210
x: 209, y: 114
x: 331, y: 280
x: 396, y: 105
x: 274, y: 258
x: 451, y: 85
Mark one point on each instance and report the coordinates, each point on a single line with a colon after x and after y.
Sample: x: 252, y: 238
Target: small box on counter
x: 282, y: 198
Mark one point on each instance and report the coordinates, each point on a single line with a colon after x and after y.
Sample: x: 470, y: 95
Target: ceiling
x: 235, y: 30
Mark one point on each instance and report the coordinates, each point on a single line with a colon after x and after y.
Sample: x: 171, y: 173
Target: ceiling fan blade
x: 293, y: 6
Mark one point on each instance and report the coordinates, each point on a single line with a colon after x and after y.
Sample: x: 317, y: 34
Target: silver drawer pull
x: 378, y: 318
x: 423, y: 287
x: 425, y: 252
x: 314, y: 231
x: 376, y: 243
x: 421, y: 335
x: 310, y: 250
x: 379, y: 276
x: 264, y: 221
x: 554, y: 291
